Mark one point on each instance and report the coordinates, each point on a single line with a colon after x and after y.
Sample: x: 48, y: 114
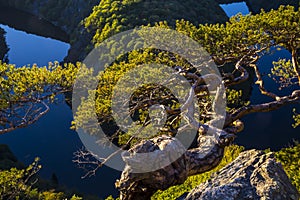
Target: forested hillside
x: 56, y: 12
x: 3, y: 46
x: 111, y: 17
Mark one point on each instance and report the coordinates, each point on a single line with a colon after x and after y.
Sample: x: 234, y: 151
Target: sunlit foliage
x: 26, y: 91
x: 289, y: 158
x: 111, y: 16
x: 245, y: 38
x: 296, y: 118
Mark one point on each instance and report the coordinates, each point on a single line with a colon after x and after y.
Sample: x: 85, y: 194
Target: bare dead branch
x: 264, y: 107
x: 26, y: 120
x: 260, y: 83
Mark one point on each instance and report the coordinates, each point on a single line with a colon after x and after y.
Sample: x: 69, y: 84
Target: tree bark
x: 133, y: 186
x: 295, y: 64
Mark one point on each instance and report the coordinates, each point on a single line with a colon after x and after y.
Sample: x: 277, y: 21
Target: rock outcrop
x: 253, y: 175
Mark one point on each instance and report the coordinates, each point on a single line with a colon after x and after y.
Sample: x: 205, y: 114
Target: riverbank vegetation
x: 27, y: 91
x: 20, y: 182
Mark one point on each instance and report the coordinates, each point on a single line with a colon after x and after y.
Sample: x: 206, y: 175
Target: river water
x: 52, y: 140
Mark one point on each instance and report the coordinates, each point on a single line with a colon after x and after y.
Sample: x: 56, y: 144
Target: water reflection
x: 31, y: 24
x: 28, y: 48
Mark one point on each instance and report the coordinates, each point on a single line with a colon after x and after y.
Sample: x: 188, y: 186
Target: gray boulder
x: 253, y: 175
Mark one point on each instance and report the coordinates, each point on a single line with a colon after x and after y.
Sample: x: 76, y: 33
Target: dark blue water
x: 29, y: 48
x: 51, y: 138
